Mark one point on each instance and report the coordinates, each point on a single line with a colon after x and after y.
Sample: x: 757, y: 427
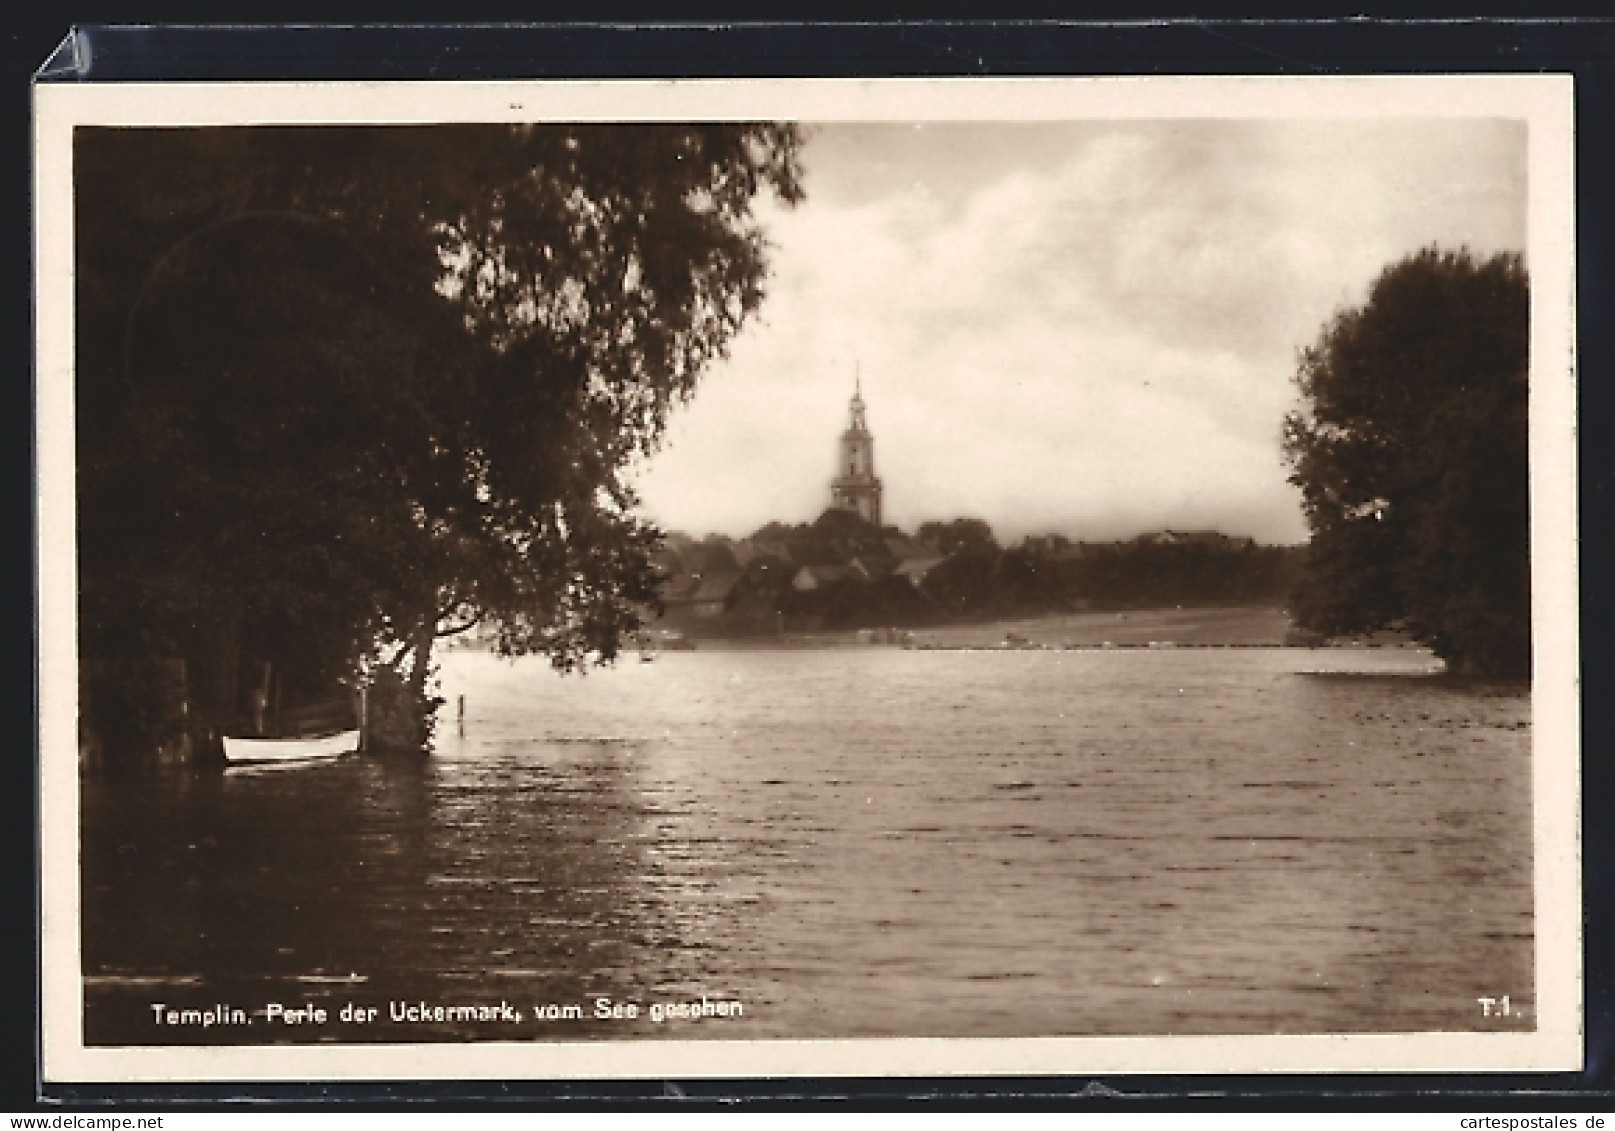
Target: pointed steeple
x: 856, y: 487
x: 857, y: 405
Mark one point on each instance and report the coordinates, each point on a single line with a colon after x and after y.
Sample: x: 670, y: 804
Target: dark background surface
x: 1585, y: 48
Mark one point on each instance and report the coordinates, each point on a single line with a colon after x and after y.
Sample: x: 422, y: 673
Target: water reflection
x: 853, y: 843
x: 408, y: 878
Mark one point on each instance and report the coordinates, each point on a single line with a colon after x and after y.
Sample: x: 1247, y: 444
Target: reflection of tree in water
x: 143, y: 896
x: 1043, y: 860
x: 368, y: 880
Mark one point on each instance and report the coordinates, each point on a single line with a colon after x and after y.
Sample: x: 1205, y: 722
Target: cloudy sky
x: 1085, y: 327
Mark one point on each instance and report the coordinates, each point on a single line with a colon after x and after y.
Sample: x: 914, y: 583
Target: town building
x: 813, y: 577
x: 855, y: 486
x: 915, y: 570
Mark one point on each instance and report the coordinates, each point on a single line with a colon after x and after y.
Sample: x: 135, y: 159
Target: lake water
x: 847, y: 842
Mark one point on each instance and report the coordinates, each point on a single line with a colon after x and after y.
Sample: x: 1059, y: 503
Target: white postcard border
x: 1544, y: 101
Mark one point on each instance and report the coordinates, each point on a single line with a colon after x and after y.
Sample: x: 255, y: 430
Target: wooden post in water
x: 461, y: 716
x: 260, y: 701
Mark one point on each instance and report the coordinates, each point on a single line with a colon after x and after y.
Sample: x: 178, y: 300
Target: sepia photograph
x: 780, y: 578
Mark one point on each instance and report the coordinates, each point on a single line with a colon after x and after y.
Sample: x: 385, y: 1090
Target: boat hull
x: 243, y: 751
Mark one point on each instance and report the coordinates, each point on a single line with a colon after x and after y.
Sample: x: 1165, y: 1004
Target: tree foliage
x: 961, y: 535
x: 341, y: 390
x: 1411, y: 453
x: 1042, y: 574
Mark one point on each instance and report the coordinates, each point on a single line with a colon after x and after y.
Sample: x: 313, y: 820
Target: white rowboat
x: 243, y: 750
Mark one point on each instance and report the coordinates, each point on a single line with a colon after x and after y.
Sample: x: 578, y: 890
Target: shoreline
x: 1239, y: 626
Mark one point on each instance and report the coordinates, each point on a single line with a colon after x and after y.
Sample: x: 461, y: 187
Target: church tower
x: 855, y: 487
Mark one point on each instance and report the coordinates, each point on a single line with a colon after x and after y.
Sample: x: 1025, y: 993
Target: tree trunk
x: 420, y: 647
x: 402, y: 711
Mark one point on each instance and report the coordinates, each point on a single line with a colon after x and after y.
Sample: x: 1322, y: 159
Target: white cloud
x: 1097, y: 339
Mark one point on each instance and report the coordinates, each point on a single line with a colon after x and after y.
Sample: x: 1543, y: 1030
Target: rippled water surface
x: 849, y: 842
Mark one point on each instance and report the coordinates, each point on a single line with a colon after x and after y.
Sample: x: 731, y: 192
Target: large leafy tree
x: 1411, y: 453
x: 343, y: 390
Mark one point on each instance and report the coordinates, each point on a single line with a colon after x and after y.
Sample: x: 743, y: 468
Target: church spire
x: 858, y: 423
x: 855, y: 486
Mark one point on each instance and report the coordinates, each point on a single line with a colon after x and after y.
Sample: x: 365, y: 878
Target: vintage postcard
x: 737, y: 579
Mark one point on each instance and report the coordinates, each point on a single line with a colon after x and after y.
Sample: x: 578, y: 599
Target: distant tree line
x: 1150, y: 570
x: 842, y: 572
